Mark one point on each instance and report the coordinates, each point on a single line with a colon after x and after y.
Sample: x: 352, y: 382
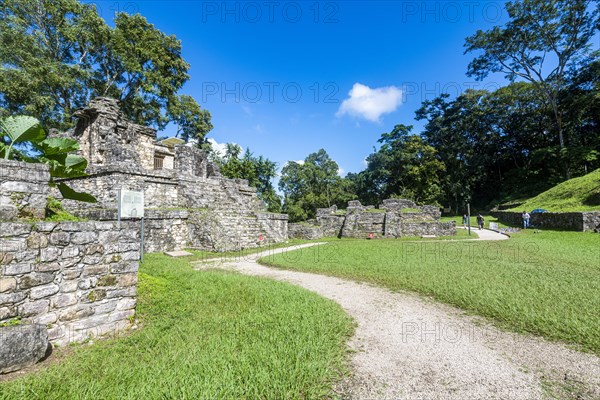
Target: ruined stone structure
x: 396, y: 218
x: 188, y: 203
x: 76, y: 278
x: 586, y: 221
x: 23, y: 190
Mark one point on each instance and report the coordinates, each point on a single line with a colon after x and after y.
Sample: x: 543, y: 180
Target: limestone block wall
x: 305, y: 231
x: 77, y: 278
x: 363, y: 224
x: 159, y: 187
x: 572, y: 221
x: 396, y: 218
x: 23, y: 190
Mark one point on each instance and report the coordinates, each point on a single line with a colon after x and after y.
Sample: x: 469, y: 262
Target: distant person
x: 464, y: 220
x: 526, y: 217
x: 480, y: 221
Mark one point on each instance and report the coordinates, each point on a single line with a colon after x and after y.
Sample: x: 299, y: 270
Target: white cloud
x: 341, y: 172
x: 370, y: 104
x: 365, y: 162
x: 220, y: 148
x: 301, y: 162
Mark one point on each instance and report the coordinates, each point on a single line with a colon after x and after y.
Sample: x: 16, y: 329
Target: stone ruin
x: 396, y: 218
x: 188, y: 203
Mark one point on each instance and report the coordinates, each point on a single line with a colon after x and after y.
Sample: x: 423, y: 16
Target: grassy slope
x: 546, y: 283
x: 577, y: 194
x: 205, y: 335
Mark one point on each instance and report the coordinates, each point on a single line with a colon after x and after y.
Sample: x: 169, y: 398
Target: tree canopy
x: 58, y: 54
x: 314, y: 183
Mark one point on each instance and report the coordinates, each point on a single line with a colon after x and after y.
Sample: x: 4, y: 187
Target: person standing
x: 480, y: 221
x: 526, y: 217
x: 464, y: 220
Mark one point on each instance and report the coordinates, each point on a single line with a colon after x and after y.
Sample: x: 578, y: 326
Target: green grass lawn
x: 577, y: 194
x: 205, y: 335
x: 544, y: 283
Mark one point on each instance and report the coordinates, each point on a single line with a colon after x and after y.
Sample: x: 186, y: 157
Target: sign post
x: 469, y: 217
x: 131, y: 205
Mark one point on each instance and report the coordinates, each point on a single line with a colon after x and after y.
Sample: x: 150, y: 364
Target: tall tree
x: 313, y: 184
x: 541, y: 42
x: 57, y: 54
x: 193, y: 123
x: 404, y: 166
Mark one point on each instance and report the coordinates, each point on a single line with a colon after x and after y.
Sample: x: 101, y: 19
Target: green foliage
x: 57, y: 55
x: 259, y: 171
x: 542, y: 42
x: 544, y: 283
x: 192, y: 121
x: 16, y: 130
x: 311, y: 185
x: 56, y: 212
x: 205, y: 335
x: 37, y: 148
x: 11, y: 322
x: 405, y: 166
x: 577, y: 194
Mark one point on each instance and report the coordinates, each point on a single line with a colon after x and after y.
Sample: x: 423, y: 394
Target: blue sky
x: 286, y: 78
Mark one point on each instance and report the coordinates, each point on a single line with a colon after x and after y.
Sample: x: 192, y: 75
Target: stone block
x: 8, y: 213
x: 47, y: 267
x: 106, y: 307
x: 14, y: 229
x: 35, y: 279
x: 60, y: 238
x: 125, y: 280
x: 94, y: 270
x: 22, y: 346
x: 63, y: 300
x: 68, y: 286
x: 87, y: 283
x: 84, y: 237
x: 37, y: 241
x: 6, y: 258
x: 40, y: 292
x: 46, y: 319
x: 72, y: 273
x: 45, y: 226
x: 13, y: 245
x: 11, y: 298
x: 124, y: 267
x: 49, y: 254
x: 17, y: 269
x: 7, y: 312
x: 7, y: 284
x: 33, y: 308
x: 75, y: 312
x: 126, y: 304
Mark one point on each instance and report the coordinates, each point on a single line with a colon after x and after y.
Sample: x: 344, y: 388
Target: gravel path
x: 409, y: 347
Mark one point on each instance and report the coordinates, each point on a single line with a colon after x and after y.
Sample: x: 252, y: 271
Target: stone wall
x: 77, y: 278
x: 305, y: 231
x: 23, y: 190
x: 221, y: 214
x: 572, y: 221
x: 396, y: 218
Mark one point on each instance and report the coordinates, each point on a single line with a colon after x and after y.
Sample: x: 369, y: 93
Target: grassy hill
x: 577, y: 194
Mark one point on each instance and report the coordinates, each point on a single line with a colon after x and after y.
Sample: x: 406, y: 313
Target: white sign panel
x: 132, y: 204
x: 494, y: 226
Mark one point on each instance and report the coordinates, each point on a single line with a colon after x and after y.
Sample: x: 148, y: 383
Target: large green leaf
x: 22, y: 128
x: 55, y: 145
x: 69, y: 193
